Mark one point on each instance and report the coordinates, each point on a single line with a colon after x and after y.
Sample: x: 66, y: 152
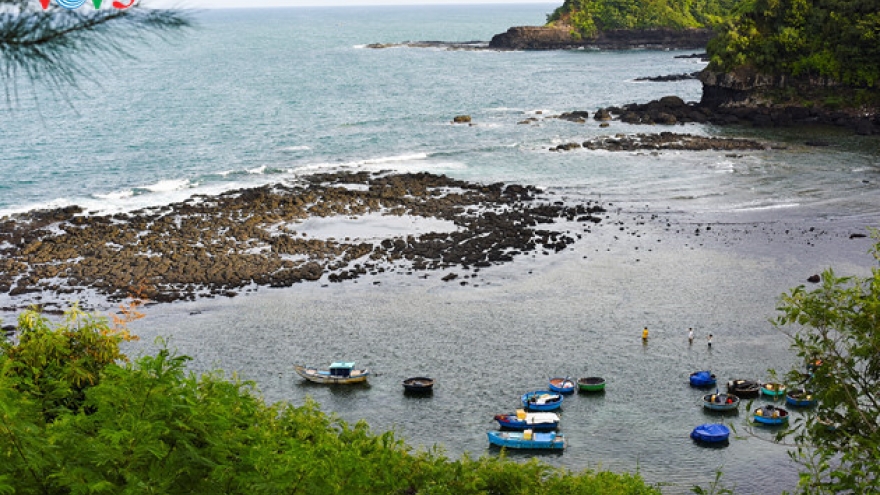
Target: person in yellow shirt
x: 645, y: 334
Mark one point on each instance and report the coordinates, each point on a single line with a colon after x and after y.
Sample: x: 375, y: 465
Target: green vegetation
x: 588, y: 17
x: 838, y: 335
x: 76, y: 418
x: 835, y: 40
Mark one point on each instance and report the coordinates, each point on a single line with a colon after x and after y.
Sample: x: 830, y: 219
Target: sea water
x: 251, y: 97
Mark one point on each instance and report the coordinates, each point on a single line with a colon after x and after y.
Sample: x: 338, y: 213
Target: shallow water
x: 578, y: 313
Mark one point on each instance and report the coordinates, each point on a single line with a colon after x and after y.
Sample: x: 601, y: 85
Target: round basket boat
x: 744, y: 389
x: 773, y: 389
x: 702, y: 379
x: 591, y: 384
x: 418, y: 385
x: 711, y: 433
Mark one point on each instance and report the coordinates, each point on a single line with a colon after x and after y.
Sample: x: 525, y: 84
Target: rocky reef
x: 211, y: 246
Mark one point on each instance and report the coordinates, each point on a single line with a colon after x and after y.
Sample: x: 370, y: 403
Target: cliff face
x: 560, y: 38
x: 746, y: 87
x: 779, y: 100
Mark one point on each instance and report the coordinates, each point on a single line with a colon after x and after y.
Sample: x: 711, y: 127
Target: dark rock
x: 560, y: 38
x: 462, y: 119
x: 814, y: 279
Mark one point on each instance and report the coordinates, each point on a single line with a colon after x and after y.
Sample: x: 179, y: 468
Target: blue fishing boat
x: 527, y: 440
x: 702, y: 379
x: 541, y: 400
x: 522, y: 420
x: 562, y: 385
x: 711, y: 433
x: 770, y: 415
x: 802, y: 398
x: 721, y: 402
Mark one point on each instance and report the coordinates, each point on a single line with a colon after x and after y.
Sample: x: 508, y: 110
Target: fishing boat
x: 562, y: 385
x: 527, y: 439
x: 800, y: 398
x: 339, y: 373
x: 591, y: 384
x: 418, y: 385
x: 773, y: 389
x: 770, y: 415
x: 721, y: 402
x: 541, y: 400
x: 702, y: 379
x: 744, y: 389
x: 711, y: 433
x: 522, y: 420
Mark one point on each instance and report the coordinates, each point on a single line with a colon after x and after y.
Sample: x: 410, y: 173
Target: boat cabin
x: 340, y: 369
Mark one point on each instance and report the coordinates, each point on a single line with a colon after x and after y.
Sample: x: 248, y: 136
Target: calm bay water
x: 259, y: 96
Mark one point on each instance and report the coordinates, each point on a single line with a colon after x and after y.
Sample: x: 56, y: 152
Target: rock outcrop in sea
x: 561, y: 38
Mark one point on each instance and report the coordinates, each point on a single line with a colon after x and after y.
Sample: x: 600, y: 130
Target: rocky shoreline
x: 221, y: 245
x: 664, y: 141
x: 672, y: 110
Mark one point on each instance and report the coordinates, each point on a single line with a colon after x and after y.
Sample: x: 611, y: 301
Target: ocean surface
x: 251, y: 97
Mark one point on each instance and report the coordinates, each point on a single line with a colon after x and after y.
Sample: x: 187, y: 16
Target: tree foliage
x: 149, y: 426
x: 588, y: 17
x: 837, y: 331
x: 838, y: 40
x: 56, y: 47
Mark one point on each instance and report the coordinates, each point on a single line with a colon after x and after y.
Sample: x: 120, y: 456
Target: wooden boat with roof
x: 339, y: 373
x: 541, y: 400
x: 522, y: 420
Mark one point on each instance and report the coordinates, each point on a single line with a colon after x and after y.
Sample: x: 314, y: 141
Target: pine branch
x: 57, y: 47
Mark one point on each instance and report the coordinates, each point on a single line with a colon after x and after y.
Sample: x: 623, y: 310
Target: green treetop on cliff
x: 835, y: 40
x: 588, y: 17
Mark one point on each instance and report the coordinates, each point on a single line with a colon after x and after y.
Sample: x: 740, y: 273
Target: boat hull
x: 773, y: 389
x: 418, y: 385
x: 531, y: 422
x: 711, y: 433
x: 541, y: 400
x: 702, y: 379
x: 517, y: 440
x: 591, y: 384
x: 721, y: 402
x: 744, y: 389
x: 765, y: 415
x: 320, y: 376
x: 562, y: 385
x: 800, y: 400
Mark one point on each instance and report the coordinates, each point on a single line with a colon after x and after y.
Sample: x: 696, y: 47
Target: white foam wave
x: 258, y: 170
x: 764, y: 207
x: 127, y: 193
x: 167, y: 185
x: 296, y: 148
